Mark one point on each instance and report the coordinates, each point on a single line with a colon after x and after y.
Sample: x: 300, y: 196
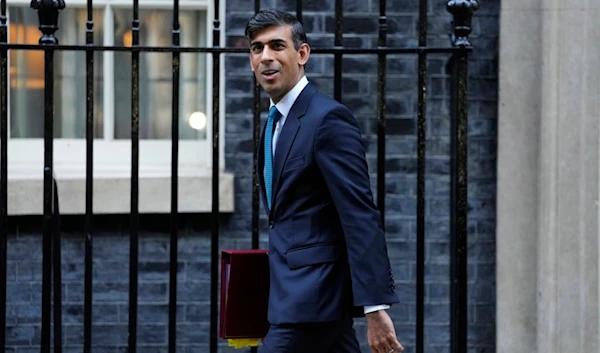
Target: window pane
x: 156, y: 76
x: 27, y: 76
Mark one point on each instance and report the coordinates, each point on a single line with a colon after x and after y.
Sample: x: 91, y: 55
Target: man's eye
x: 256, y: 49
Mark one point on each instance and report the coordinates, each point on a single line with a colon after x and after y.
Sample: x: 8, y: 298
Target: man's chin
x: 273, y: 92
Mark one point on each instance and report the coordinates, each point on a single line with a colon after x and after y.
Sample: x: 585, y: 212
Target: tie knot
x: 274, y: 114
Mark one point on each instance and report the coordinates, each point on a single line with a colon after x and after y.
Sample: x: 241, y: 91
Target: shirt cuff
x: 372, y: 308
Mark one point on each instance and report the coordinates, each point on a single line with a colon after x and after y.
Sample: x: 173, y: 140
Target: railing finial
x: 462, y: 11
x: 48, y: 18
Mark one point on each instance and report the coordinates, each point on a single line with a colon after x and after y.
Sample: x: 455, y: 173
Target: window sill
x: 112, y: 193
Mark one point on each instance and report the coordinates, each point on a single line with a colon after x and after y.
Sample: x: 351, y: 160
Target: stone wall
x: 548, y: 233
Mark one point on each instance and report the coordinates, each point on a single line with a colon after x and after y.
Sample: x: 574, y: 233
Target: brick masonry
x: 111, y: 241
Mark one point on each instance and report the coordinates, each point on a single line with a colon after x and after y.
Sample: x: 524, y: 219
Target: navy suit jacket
x: 327, y: 250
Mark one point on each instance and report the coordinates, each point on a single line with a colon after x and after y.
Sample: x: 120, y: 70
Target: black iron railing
x: 3, y: 172
x: 49, y: 10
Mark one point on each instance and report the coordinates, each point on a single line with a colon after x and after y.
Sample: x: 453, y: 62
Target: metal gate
x: 48, y: 10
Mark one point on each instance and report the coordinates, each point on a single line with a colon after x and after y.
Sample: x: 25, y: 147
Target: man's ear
x: 304, y: 53
x: 250, y: 60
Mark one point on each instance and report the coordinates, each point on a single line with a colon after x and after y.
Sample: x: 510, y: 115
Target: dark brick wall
x: 111, y: 283
x: 111, y: 252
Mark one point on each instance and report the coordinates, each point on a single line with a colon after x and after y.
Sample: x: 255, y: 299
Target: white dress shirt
x: 284, y: 106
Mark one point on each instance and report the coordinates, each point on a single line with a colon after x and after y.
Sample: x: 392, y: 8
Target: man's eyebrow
x: 272, y: 41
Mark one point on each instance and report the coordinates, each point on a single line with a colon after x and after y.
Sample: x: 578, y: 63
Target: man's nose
x: 267, y: 55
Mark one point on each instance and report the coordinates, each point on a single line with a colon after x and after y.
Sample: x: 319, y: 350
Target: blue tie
x: 274, y: 116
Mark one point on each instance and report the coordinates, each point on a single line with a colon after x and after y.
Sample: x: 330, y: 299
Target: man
x: 327, y: 251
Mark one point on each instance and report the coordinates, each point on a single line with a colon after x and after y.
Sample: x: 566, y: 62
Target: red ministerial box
x: 244, y: 294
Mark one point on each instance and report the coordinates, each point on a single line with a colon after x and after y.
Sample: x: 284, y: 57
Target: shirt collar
x: 285, y: 104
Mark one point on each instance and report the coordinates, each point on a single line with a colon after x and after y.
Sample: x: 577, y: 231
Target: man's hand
x: 381, y: 334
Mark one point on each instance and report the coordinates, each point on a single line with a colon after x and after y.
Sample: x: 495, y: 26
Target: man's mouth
x: 270, y: 74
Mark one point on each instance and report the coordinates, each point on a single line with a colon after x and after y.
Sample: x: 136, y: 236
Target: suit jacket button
x: 271, y: 225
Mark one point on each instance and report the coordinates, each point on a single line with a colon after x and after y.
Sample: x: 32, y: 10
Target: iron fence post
x: 3, y: 171
x: 216, y: 138
x: 48, y: 12
x: 89, y: 182
x: 174, y: 247
x: 462, y: 12
x: 421, y: 174
x: 134, y: 217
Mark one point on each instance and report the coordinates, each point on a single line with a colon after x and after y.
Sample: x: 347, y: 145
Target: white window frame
x: 112, y: 176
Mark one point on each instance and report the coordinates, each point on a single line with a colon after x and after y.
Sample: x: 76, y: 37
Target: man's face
x: 276, y: 63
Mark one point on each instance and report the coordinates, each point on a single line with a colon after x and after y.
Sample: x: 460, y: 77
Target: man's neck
x: 287, y: 101
x: 278, y: 99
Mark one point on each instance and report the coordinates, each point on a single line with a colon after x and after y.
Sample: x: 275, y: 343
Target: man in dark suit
x: 327, y: 250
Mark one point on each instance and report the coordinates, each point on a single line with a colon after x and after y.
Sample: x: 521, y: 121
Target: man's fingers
x: 386, y: 346
x: 392, y: 345
x: 376, y: 347
x: 380, y: 345
x: 397, y: 346
x: 381, y: 334
x: 391, y: 342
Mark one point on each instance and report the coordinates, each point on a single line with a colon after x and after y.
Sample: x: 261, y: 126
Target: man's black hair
x: 272, y: 17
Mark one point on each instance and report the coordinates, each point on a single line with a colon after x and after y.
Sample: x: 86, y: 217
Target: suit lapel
x: 288, y: 135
